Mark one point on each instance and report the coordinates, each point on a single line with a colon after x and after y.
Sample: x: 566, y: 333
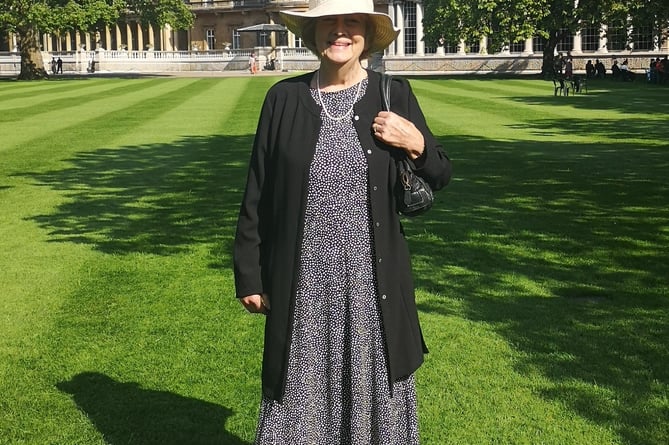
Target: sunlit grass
x: 541, y: 271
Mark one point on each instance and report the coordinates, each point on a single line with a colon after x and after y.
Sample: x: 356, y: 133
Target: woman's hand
x: 392, y: 129
x: 256, y: 303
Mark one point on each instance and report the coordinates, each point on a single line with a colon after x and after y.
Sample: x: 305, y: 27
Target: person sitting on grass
x: 625, y: 73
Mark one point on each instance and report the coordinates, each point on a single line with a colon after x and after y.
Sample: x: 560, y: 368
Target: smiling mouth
x: 339, y: 44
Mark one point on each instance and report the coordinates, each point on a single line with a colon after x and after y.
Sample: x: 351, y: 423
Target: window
x: 538, y: 44
x: 450, y: 48
x: 474, y: 47
x: 236, y: 37
x: 590, y: 38
x: 409, y: 28
x: 517, y: 47
x: 616, y: 39
x: 211, y: 38
x: 566, y: 42
x: 643, y: 38
x: 263, y: 38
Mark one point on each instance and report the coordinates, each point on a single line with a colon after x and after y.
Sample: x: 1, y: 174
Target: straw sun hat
x: 302, y: 23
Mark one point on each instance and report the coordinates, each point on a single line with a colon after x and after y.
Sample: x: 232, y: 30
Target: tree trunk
x: 548, y: 66
x: 32, y: 64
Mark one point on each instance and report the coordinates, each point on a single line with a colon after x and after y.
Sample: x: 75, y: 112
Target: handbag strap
x: 386, y: 80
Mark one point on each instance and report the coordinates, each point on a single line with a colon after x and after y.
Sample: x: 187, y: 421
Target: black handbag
x: 413, y: 196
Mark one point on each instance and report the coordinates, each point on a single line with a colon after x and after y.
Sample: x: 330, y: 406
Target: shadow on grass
x: 561, y: 249
x: 626, y: 97
x: 126, y: 413
x: 160, y: 199
x: 630, y: 128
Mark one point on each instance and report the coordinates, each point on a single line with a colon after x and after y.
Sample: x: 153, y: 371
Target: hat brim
x: 384, y: 31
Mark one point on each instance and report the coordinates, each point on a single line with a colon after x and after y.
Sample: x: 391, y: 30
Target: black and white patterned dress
x: 337, y: 390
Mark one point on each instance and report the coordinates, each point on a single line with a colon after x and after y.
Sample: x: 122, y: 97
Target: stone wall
x: 167, y: 62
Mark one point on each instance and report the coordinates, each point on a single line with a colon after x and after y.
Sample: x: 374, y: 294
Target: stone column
x: 77, y: 40
x: 46, y: 42
x: 577, y: 47
x: 68, y: 41
x: 15, y: 43
x: 392, y: 48
x: 176, y: 42
x: 483, y: 45
x: 128, y: 32
x: 152, y: 40
x: 88, y: 42
x: 602, y: 41
x: 140, y: 37
x: 107, y: 44
x: 119, y: 37
x: 399, y: 20
x: 529, y: 47
x: 166, y: 38
x: 665, y: 46
x: 461, y: 48
x: 420, y: 43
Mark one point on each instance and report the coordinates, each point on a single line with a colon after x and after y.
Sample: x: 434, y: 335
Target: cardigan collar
x: 369, y: 103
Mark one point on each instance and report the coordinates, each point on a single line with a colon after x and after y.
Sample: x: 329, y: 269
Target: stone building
x: 219, y: 25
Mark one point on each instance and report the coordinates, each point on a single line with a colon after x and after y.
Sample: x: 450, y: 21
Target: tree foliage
x: 508, y: 21
x: 29, y: 18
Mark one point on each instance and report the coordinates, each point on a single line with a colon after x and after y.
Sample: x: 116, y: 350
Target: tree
x: 508, y: 21
x: 29, y: 18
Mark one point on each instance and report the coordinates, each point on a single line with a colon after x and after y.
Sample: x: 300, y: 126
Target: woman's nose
x: 339, y: 26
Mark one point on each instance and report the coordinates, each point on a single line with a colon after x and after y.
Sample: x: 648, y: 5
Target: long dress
x: 337, y: 390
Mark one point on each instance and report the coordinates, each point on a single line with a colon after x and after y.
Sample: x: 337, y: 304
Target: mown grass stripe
x: 92, y: 123
x: 75, y: 96
x: 34, y: 90
x: 248, y: 108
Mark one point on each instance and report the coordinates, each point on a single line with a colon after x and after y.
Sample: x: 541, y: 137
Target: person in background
x: 568, y: 68
x: 625, y: 72
x: 252, y: 63
x: 601, y: 69
x: 662, y: 67
x: 590, y: 71
x: 319, y: 248
x: 615, y: 70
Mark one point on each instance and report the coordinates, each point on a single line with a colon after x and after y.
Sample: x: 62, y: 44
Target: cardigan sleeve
x: 251, y: 234
x: 433, y: 165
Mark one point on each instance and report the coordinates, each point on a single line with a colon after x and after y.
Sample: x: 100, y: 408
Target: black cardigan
x: 269, y: 229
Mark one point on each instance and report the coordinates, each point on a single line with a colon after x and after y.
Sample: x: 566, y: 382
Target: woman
x: 319, y: 247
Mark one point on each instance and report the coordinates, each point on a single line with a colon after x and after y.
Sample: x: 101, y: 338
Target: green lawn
x: 542, y: 272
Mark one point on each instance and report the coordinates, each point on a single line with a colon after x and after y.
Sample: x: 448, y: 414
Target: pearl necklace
x: 320, y: 98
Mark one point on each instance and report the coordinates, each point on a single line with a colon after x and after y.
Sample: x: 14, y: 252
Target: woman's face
x: 341, y: 38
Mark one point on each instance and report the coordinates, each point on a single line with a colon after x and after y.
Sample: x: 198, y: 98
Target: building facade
x: 218, y: 29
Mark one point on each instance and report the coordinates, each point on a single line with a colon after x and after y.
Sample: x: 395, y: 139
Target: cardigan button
x: 375, y: 188
x: 356, y: 118
x: 369, y: 152
x: 384, y: 297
